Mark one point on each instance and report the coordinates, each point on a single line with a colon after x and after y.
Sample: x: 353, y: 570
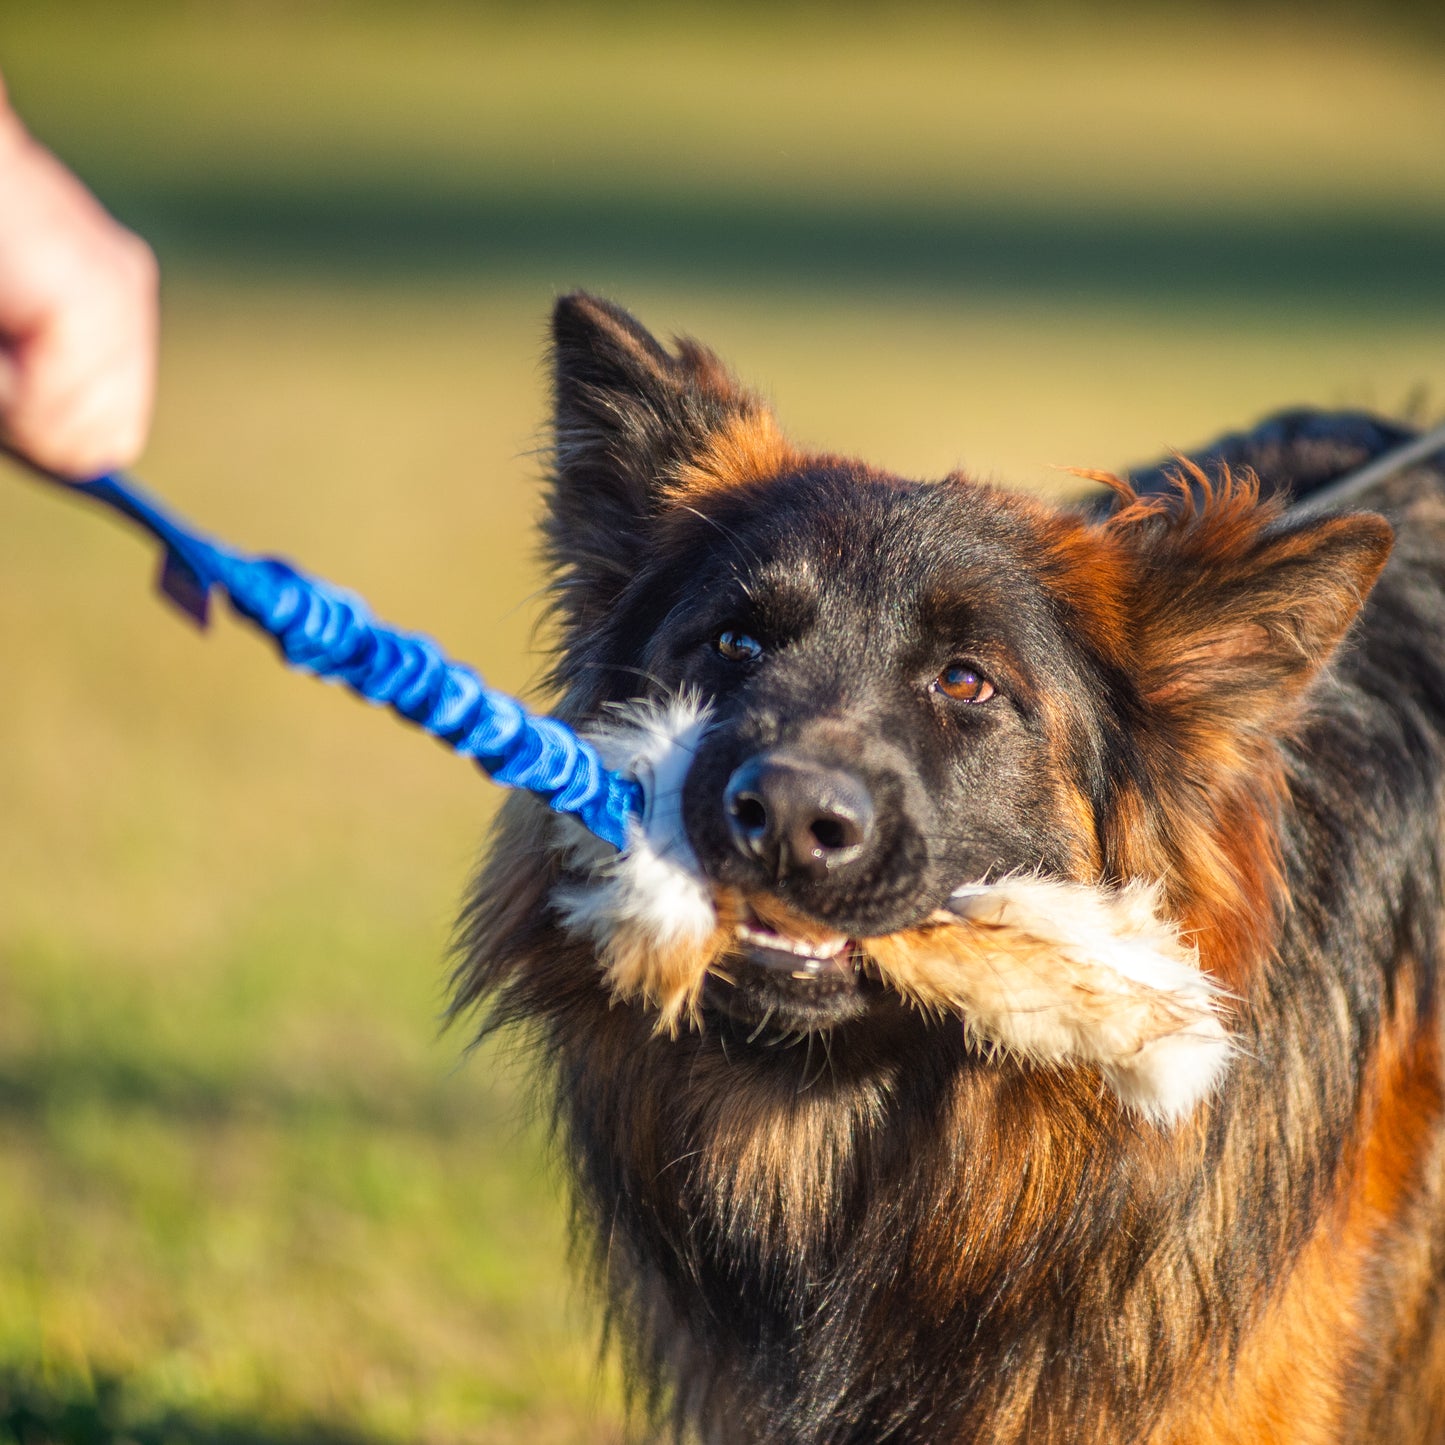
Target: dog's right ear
x: 637, y: 429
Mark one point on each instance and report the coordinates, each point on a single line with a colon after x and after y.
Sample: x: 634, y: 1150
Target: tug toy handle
x: 327, y: 631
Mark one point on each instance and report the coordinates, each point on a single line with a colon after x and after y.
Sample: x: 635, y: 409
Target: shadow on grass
x: 390, y: 224
x: 33, y: 1088
x: 96, y: 1413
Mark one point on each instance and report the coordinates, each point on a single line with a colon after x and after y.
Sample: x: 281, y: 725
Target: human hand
x: 79, y: 317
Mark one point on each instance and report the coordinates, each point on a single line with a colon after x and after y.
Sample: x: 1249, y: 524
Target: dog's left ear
x: 1236, y: 608
x: 638, y: 428
x: 1223, y: 612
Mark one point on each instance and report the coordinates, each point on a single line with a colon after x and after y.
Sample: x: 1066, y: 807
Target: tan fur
x: 777, y: 1161
x: 989, y: 970
x: 1208, y: 825
x: 1291, y: 1381
x: 666, y: 977
x: 750, y: 447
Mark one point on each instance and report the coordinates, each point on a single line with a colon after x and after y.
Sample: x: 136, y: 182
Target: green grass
x: 246, y: 1191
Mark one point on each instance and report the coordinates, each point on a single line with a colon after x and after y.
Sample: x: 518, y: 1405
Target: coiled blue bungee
x: 327, y: 631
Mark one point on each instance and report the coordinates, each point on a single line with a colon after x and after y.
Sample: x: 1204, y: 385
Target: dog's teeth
x: 765, y: 938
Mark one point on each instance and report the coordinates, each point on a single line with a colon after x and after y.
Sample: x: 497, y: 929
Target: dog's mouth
x: 776, y: 980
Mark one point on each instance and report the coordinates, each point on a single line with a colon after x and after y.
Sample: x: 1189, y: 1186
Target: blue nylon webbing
x: 327, y: 631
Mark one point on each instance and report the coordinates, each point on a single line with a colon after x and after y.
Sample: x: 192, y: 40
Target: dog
x: 1016, y: 1019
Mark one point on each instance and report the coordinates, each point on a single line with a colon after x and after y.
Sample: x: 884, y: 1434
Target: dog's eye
x: 963, y: 683
x: 737, y: 646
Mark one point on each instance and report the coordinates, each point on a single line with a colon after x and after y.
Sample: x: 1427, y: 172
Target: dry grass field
x: 248, y: 1193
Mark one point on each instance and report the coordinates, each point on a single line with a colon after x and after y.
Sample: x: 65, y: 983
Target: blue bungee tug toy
x: 330, y: 632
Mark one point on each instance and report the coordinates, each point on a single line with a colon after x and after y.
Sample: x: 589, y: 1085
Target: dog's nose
x: 797, y: 817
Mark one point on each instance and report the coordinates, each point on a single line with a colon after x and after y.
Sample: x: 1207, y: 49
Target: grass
x: 248, y: 1194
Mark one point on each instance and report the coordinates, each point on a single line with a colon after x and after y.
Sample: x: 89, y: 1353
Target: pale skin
x: 79, y: 317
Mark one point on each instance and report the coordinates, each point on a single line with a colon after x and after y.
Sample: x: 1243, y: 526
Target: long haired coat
x: 1017, y: 1020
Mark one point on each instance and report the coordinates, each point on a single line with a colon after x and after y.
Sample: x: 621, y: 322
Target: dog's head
x: 931, y: 744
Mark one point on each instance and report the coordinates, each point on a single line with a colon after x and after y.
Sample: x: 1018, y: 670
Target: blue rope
x: 324, y: 630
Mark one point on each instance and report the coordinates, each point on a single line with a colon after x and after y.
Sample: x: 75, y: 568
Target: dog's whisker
x: 762, y: 1026
x: 727, y: 533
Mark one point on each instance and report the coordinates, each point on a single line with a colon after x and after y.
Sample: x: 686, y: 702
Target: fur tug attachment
x: 1059, y: 973
x: 647, y: 908
x: 1054, y: 972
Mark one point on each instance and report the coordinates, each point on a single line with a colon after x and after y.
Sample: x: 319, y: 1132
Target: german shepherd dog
x: 1017, y: 1018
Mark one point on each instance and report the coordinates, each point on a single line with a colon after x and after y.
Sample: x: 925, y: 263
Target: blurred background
x: 248, y: 1191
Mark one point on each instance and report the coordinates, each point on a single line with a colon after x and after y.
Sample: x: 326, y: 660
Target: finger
x: 87, y: 427
x: 78, y: 308
x: 78, y: 394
